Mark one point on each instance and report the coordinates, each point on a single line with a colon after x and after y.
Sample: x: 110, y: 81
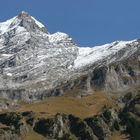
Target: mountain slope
x: 35, y: 64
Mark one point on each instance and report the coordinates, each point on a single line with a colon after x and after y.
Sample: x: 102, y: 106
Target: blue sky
x: 89, y: 22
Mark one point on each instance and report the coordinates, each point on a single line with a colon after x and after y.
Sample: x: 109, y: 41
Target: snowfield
x: 89, y: 55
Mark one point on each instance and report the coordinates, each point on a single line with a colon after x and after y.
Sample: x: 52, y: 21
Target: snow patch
x: 38, y: 23
x: 9, y: 74
x: 6, y: 55
x: 89, y: 55
x: 5, y: 25
x: 20, y: 30
x: 58, y: 37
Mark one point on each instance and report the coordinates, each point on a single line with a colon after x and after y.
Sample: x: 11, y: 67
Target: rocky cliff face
x: 29, y: 54
x: 61, y: 127
x: 35, y: 64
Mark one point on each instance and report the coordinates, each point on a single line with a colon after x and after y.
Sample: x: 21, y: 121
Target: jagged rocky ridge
x: 35, y: 64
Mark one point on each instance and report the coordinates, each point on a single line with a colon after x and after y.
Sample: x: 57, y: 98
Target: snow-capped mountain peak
x: 22, y: 20
x: 27, y: 49
x: 33, y: 59
x: 25, y: 16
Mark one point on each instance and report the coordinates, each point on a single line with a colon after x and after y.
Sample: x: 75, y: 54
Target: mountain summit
x: 35, y: 64
x: 23, y: 20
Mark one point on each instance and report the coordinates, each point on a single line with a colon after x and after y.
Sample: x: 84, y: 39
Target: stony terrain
x: 52, y: 89
x: 102, y: 126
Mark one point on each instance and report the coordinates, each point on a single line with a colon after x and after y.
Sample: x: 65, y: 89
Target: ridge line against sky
x: 88, y: 22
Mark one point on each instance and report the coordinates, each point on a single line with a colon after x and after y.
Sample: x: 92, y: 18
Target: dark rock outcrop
x: 130, y: 116
x: 59, y: 127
